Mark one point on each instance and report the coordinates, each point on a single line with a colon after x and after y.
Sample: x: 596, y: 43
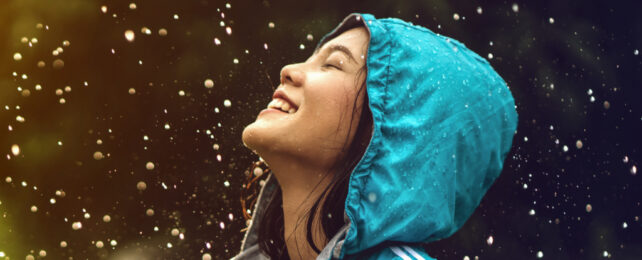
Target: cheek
x: 328, y: 107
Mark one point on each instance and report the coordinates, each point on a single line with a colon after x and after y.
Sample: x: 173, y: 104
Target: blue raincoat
x: 444, y: 122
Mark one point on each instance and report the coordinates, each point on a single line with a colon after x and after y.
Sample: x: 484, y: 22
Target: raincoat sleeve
x: 402, y: 252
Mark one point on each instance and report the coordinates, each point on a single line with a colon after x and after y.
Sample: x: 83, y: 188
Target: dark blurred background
x: 116, y: 147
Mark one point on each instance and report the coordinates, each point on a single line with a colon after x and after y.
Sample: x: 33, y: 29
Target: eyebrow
x: 341, y: 48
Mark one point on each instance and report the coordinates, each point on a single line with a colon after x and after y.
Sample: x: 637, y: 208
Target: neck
x: 298, y: 191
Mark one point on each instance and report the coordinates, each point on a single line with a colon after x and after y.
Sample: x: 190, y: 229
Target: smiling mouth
x: 282, y: 105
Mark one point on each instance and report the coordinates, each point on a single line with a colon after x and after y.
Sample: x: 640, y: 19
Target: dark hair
x: 270, y: 227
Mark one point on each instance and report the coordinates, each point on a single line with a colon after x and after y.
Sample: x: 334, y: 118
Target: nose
x: 292, y: 75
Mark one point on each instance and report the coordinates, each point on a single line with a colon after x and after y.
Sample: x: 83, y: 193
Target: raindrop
x: 309, y: 37
x: 141, y: 186
x: 99, y: 244
x: 634, y: 170
x: 58, y: 64
x: 132, y: 91
x: 129, y: 35
x: 103, y: 9
x: 174, y: 232
x: 372, y: 197
x: 162, y: 32
x: 490, y: 55
x: 515, y: 8
x: 551, y: 20
x: 76, y: 225
x: 624, y: 225
x: 489, y: 241
x: 42, y: 253
x: 113, y: 243
x: 540, y: 254
x: 98, y: 155
x: 456, y: 16
x: 625, y: 159
x: 106, y: 218
x: 579, y: 144
x: 271, y: 24
x: 565, y: 148
x: 258, y: 171
x: 301, y: 46
x: 149, y: 212
x: 606, y: 104
x: 227, y: 103
x: 207, y: 256
x: 17, y: 56
x: 636, y: 52
x: 34, y: 209
x: 479, y: 10
x: 209, y: 83
x: 15, y: 150
x: 149, y: 166
x: 132, y: 6
x: 228, y: 30
x: 589, y: 208
x: 63, y: 244
x: 531, y: 212
x: 217, y: 41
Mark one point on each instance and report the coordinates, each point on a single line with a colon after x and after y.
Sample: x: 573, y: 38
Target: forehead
x: 354, y: 39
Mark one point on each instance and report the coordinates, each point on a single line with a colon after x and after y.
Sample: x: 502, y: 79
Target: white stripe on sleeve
x: 400, y: 253
x: 413, y: 253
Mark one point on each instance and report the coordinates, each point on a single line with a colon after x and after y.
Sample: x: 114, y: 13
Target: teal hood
x: 444, y: 122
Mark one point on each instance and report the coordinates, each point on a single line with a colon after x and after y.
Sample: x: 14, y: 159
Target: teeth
x: 281, y: 105
x: 285, y: 106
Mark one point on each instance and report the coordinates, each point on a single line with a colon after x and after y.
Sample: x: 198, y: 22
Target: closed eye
x: 330, y: 65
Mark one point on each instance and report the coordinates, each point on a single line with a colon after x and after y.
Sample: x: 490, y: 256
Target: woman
x: 431, y: 124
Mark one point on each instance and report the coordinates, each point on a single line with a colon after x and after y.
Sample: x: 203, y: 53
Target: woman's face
x: 323, y: 88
